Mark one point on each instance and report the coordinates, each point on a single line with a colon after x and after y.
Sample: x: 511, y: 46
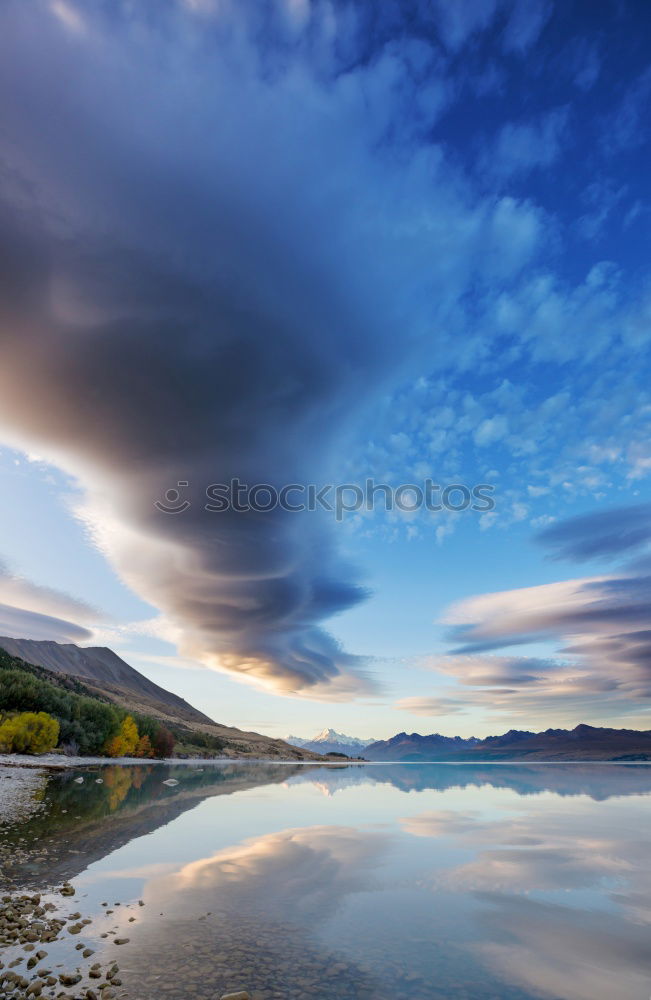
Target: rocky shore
x: 30, y: 926
x: 58, y: 762
x: 44, y: 934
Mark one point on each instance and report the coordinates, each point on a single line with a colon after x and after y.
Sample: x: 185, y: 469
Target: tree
x: 44, y: 732
x: 163, y: 742
x: 125, y: 741
x: 86, y: 723
x: 144, y: 748
x: 29, y: 732
x: 8, y: 733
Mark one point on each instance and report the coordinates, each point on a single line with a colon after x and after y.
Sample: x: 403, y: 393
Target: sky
x: 312, y: 242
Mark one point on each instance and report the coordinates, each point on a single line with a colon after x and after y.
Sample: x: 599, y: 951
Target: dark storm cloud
x: 198, y: 282
x: 184, y: 381
x: 161, y: 321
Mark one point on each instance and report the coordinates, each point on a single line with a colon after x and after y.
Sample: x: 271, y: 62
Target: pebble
x: 24, y: 920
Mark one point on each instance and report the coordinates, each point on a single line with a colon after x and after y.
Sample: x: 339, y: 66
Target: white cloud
x: 430, y: 706
x: 491, y: 430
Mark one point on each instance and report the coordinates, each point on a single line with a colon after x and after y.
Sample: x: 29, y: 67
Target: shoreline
x: 55, y: 762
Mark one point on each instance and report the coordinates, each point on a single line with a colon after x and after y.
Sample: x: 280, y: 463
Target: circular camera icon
x: 173, y: 502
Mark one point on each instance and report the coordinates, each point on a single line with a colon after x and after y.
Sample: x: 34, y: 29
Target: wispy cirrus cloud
x: 19, y: 623
x: 609, y: 533
x: 431, y: 706
x: 30, y: 611
x: 599, y: 626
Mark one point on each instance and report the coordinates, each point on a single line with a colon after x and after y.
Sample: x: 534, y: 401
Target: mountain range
x: 330, y: 741
x: 581, y: 743
x: 109, y: 677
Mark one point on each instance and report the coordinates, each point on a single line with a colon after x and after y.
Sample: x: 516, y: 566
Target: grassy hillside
x: 107, y: 677
x: 79, y: 706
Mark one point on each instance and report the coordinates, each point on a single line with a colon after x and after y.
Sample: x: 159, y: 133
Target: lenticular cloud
x: 210, y: 262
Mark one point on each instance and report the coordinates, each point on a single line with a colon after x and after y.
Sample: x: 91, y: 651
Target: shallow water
x: 358, y: 882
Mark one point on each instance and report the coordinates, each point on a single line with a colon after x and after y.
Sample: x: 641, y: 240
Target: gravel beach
x: 53, y: 761
x: 18, y: 788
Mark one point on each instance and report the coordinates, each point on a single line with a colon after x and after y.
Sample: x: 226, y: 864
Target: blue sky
x: 319, y: 242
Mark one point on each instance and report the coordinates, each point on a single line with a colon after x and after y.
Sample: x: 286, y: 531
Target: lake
x: 352, y: 882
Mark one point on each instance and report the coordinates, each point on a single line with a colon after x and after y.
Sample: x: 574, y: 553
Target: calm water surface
x: 415, y: 881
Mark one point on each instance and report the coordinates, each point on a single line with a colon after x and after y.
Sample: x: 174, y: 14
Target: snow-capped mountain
x: 330, y: 741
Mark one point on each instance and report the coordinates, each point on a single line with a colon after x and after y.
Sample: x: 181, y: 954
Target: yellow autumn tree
x: 7, y: 735
x: 125, y: 741
x: 29, y: 732
x: 44, y: 732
